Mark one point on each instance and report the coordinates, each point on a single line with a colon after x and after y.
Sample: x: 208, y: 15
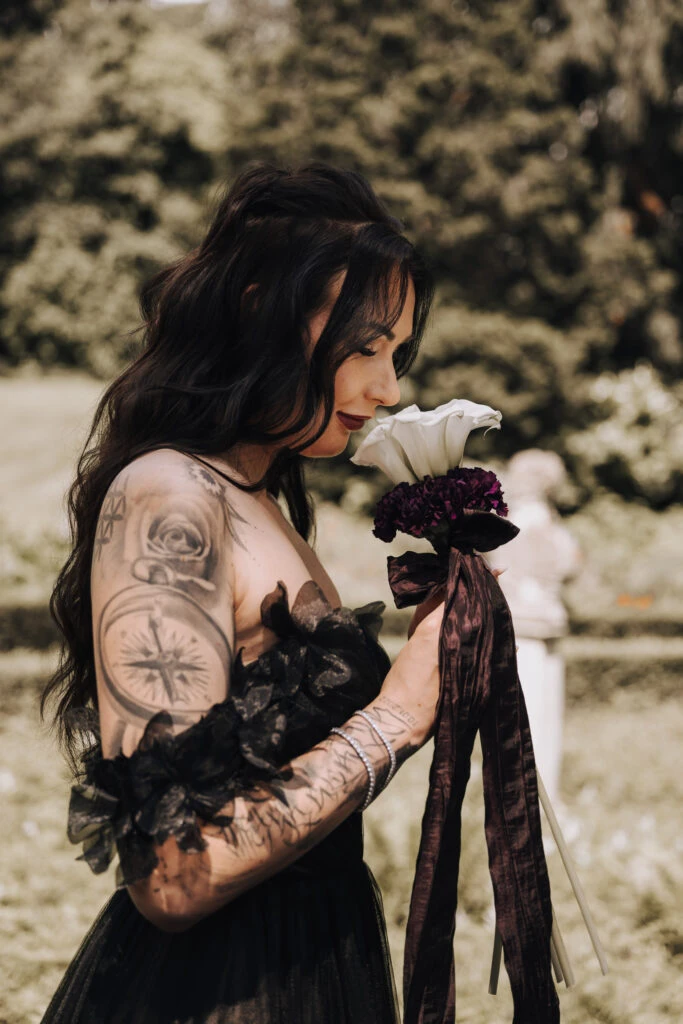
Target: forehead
x: 393, y: 294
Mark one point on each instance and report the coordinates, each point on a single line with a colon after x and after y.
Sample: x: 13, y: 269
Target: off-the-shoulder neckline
x: 377, y: 606
x: 282, y: 596
x: 359, y: 620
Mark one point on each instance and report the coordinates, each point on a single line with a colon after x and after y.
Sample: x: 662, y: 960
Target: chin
x: 326, y: 447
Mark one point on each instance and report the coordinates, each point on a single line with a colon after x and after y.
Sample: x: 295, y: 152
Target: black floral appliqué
x: 326, y: 664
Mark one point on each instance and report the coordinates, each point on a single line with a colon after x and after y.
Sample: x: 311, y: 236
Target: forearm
x: 267, y: 834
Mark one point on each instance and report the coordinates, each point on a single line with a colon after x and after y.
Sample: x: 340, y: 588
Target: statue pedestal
x: 538, y: 562
x: 541, y: 673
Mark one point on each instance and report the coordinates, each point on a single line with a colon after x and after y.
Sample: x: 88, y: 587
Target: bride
x: 226, y: 718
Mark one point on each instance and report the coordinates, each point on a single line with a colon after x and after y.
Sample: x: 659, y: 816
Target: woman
x: 238, y: 717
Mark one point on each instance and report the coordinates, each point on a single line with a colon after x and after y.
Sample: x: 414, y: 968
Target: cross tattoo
x: 113, y: 511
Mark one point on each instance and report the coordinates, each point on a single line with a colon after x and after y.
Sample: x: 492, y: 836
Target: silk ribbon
x: 480, y: 691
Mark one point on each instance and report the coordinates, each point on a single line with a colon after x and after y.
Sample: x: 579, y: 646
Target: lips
x: 352, y: 422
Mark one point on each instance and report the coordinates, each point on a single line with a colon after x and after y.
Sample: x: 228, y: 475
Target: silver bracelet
x: 390, y: 750
x: 372, y: 778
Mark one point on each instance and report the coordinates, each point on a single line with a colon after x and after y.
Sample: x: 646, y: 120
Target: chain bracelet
x: 390, y: 750
x: 372, y: 777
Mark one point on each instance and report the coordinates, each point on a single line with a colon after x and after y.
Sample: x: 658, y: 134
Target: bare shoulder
x: 167, y: 470
x: 162, y: 587
x: 165, y: 478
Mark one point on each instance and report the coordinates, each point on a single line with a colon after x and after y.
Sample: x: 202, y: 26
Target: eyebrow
x: 392, y: 337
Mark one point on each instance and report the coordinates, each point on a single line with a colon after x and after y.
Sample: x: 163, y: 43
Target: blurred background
x: 534, y: 151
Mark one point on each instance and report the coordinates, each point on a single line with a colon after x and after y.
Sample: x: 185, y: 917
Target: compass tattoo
x: 163, y: 661
x: 159, y: 650
x: 162, y: 637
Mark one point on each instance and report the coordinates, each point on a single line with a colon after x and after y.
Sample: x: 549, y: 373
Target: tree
x: 532, y: 147
x: 115, y: 128
x: 534, y: 151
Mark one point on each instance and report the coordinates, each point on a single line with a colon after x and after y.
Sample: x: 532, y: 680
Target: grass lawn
x: 43, y: 422
x: 621, y: 799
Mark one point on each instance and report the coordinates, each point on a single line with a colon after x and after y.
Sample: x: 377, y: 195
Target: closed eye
x: 398, y: 355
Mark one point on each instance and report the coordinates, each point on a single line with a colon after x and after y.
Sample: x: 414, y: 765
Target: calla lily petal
x: 413, y: 444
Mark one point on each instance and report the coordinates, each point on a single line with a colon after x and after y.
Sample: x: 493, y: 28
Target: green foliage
x: 519, y: 365
x: 633, y: 562
x: 534, y: 154
x: 115, y: 127
x: 17, y: 16
x: 636, y: 440
x: 532, y: 148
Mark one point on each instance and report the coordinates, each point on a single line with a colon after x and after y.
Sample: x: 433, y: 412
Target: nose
x: 385, y: 389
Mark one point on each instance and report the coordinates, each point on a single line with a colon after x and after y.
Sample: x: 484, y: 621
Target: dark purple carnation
x: 418, y: 509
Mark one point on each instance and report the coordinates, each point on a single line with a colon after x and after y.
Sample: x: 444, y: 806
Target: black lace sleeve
x: 326, y: 664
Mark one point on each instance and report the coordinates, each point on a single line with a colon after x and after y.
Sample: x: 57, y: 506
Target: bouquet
x: 462, y: 513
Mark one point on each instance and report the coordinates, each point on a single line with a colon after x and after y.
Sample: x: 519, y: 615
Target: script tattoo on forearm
x: 270, y: 830
x: 395, y: 721
x: 274, y: 824
x: 267, y: 831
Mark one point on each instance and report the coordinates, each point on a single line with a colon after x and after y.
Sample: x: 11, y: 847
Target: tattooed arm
x: 328, y: 783
x: 163, y: 621
x: 162, y: 586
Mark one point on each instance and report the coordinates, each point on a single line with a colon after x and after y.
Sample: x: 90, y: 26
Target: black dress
x: 309, y: 945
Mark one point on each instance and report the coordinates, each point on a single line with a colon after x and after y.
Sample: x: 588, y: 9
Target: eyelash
x: 397, y: 357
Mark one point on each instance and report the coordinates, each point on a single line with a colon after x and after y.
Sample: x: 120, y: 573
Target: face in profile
x: 365, y: 380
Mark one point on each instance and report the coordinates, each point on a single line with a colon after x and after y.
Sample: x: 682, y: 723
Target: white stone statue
x: 538, y: 562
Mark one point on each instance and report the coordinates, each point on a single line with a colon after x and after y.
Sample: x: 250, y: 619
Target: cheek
x: 347, y: 382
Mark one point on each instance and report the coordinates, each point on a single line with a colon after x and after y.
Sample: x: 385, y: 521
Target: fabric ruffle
x: 325, y: 665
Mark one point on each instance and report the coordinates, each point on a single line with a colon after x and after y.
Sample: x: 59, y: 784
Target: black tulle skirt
x: 308, y: 946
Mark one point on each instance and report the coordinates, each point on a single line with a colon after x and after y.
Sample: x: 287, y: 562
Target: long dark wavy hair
x: 224, y: 363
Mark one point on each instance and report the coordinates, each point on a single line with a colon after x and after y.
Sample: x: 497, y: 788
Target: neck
x: 248, y: 462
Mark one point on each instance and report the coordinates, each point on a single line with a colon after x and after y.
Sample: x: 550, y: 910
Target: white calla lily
x: 412, y: 444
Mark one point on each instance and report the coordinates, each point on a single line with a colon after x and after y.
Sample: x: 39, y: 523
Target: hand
x: 422, y: 610
x: 427, y: 606
x: 413, y: 682
x: 411, y: 687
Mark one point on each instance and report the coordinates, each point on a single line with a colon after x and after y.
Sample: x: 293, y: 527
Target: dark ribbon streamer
x: 480, y: 690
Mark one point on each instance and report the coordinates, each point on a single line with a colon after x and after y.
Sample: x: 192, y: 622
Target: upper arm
x: 162, y: 585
